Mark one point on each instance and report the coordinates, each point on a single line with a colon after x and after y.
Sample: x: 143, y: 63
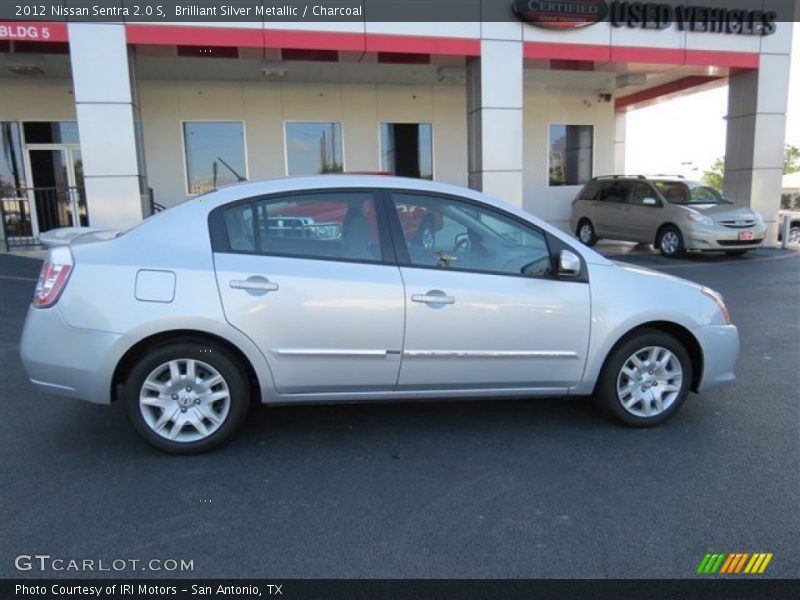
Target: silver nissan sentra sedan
x: 359, y: 288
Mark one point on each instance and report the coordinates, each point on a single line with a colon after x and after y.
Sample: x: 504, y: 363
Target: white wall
x: 39, y: 100
x: 545, y: 106
x: 264, y: 106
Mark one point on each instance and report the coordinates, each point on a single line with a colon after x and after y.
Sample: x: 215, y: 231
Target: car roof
x: 249, y: 189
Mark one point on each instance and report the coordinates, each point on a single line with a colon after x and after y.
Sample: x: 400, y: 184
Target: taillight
x: 575, y: 199
x: 53, y: 278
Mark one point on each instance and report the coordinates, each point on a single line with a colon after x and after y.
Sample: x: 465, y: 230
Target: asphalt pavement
x: 484, y: 489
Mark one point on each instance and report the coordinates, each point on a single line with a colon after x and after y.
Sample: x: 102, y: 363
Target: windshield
x: 689, y: 192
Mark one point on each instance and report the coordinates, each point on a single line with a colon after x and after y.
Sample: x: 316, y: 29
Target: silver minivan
x: 672, y: 213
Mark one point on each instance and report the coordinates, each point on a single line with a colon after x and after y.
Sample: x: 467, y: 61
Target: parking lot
x: 488, y: 489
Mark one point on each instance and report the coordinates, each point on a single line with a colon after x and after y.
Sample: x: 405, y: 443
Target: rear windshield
x: 689, y: 192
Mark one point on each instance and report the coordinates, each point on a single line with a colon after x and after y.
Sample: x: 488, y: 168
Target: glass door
x: 58, y: 193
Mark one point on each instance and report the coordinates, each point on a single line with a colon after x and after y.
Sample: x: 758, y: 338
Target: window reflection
x: 214, y: 155
x: 314, y: 148
x: 571, y: 149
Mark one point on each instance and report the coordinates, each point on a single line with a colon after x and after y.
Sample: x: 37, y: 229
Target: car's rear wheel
x: 186, y: 397
x: 585, y: 233
x: 670, y: 242
x: 736, y: 252
x: 645, y: 379
x: 794, y: 235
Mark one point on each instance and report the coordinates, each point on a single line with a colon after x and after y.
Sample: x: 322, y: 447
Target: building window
x: 51, y: 132
x: 571, y: 150
x: 314, y: 148
x: 12, y: 164
x: 214, y: 155
x: 407, y: 149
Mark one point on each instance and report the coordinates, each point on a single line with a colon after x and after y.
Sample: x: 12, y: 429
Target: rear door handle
x: 433, y: 297
x: 256, y: 284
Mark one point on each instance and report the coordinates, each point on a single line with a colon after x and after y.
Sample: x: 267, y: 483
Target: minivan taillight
x: 53, y: 278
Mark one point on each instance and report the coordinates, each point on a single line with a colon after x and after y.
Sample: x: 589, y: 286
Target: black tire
x: 209, y: 353
x: 606, y: 390
x: 736, y: 252
x: 585, y: 233
x: 674, y: 247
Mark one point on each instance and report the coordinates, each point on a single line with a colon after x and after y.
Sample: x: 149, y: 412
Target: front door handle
x: 255, y: 284
x: 433, y: 297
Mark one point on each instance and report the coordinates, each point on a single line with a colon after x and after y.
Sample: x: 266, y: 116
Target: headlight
x: 701, y: 219
x: 759, y: 219
x: 720, y: 301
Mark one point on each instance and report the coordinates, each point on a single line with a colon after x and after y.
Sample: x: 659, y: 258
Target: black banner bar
x: 702, y: 588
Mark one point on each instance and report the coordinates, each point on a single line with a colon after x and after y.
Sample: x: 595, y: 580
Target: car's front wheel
x: 646, y: 378
x: 670, y: 242
x: 186, y: 397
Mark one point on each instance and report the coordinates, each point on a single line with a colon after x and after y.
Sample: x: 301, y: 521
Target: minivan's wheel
x: 186, y: 397
x: 736, y: 252
x: 794, y: 235
x: 670, y: 242
x: 645, y: 379
x: 586, y: 233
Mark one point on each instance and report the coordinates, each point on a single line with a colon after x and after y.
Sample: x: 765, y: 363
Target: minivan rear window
x: 589, y: 192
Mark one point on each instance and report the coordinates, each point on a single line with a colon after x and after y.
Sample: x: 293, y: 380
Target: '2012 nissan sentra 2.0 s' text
x: 355, y: 287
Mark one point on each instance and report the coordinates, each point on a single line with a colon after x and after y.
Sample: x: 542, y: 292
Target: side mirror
x: 650, y: 202
x: 569, y: 264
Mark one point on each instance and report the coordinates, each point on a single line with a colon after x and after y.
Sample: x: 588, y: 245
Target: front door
x: 309, y: 279
x: 483, y: 310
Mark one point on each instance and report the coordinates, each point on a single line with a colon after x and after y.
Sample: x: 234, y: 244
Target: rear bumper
x: 67, y: 361
x: 720, y: 345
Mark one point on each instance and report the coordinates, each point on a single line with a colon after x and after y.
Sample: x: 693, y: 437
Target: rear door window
x: 339, y: 225
x: 616, y: 191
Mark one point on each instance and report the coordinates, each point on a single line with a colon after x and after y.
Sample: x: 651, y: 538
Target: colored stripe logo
x: 734, y: 562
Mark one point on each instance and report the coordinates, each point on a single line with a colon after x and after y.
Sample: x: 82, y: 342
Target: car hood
x: 723, y: 212
x: 637, y: 270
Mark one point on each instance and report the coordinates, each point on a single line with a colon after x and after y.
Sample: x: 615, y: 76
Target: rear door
x: 608, y: 210
x: 310, y: 278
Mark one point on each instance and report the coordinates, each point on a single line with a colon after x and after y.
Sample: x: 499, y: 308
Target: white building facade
x: 102, y: 122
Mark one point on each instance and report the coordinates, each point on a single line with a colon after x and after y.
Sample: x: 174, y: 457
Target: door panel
x: 301, y: 275
x: 609, y: 211
x: 499, y: 331
x: 328, y: 326
x: 482, y: 309
x: 642, y: 220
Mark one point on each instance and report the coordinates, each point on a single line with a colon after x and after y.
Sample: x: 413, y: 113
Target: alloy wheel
x: 585, y: 233
x: 649, y: 381
x: 184, y: 400
x: 670, y: 242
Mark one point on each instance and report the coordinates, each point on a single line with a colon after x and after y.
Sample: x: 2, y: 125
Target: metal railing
x: 26, y: 212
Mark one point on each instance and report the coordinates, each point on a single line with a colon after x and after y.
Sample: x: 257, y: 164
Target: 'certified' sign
x: 561, y: 14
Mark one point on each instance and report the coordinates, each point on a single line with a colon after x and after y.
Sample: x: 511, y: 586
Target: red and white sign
x: 33, y: 32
